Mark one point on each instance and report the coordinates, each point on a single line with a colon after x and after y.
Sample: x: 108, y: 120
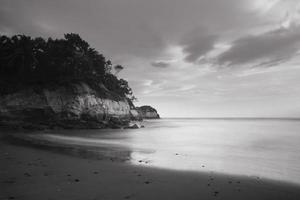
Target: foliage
x: 147, y: 108
x: 26, y: 61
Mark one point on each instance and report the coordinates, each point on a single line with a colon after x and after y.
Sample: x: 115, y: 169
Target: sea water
x: 265, y: 148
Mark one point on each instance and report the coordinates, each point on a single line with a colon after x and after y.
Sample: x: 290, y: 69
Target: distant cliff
x: 148, y: 112
x: 68, y: 106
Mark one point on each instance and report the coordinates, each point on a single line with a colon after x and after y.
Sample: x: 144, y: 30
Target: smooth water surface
x: 267, y: 148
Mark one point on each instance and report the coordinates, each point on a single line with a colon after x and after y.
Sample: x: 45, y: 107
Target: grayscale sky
x: 192, y: 58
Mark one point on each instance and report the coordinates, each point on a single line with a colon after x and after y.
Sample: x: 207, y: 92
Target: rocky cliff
x: 73, y: 106
x: 148, y: 112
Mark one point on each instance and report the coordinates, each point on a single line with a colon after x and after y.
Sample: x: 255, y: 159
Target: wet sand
x: 32, y: 173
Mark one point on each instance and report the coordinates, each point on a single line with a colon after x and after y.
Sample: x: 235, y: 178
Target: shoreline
x: 34, y: 173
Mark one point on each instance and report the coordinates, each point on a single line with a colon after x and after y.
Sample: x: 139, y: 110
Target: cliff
x: 148, y: 112
x: 72, y: 106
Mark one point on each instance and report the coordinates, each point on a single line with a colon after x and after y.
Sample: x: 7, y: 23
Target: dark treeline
x: 26, y: 61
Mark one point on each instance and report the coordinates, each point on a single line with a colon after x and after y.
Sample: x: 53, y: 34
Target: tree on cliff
x: 26, y: 61
x: 118, y: 68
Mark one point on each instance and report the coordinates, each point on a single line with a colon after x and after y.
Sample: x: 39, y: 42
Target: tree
x: 118, y: 68
x: 25, y: 62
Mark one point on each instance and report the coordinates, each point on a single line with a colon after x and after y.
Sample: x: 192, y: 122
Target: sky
x: 192, y: 58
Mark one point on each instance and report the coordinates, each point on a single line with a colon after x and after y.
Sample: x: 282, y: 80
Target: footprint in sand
x: 216, y: 193
x: 127, y: 197
x: 27, y: 174
x: 10, y: 181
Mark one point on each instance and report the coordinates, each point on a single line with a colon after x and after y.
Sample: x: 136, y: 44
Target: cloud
x: 267, y: 48
x: 197, y: 44
x: 160, y: 64
x: 265, y: 5
x: 136, y: 28
x: 19, y: 25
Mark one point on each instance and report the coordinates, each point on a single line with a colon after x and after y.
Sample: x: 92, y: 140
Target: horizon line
x: 277, y: 118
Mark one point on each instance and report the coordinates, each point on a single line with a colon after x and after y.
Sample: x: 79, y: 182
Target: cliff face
x: 147, y: 112
x: 70, y: 106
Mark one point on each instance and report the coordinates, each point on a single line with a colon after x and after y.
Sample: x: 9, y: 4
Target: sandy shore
x: 31, y: 173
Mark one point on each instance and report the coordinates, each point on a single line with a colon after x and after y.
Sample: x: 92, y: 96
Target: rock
x: 133, y: 125
x: 67, y: 106
x: 148, y: 112
x: 135, y: 115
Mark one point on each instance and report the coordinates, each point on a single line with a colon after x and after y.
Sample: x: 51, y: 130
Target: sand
x: 34, y: 173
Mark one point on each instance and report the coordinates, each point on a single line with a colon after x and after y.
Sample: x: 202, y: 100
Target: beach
x: 150, y: 100
x: 31, y: 172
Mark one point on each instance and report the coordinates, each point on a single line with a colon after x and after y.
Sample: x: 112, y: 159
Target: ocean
x: 262, y: 148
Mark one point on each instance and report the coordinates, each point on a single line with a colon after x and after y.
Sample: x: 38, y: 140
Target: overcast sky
x: 192, y: 58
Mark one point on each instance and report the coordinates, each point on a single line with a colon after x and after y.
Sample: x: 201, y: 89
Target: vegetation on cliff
x: 27, y: 62
x: 148, y: 112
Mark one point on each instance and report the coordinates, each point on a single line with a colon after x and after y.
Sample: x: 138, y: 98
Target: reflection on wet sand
x: 86, y: 152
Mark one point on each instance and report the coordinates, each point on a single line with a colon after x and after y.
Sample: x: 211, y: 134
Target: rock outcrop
x: 73, y: 106
x: 148, y: 112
